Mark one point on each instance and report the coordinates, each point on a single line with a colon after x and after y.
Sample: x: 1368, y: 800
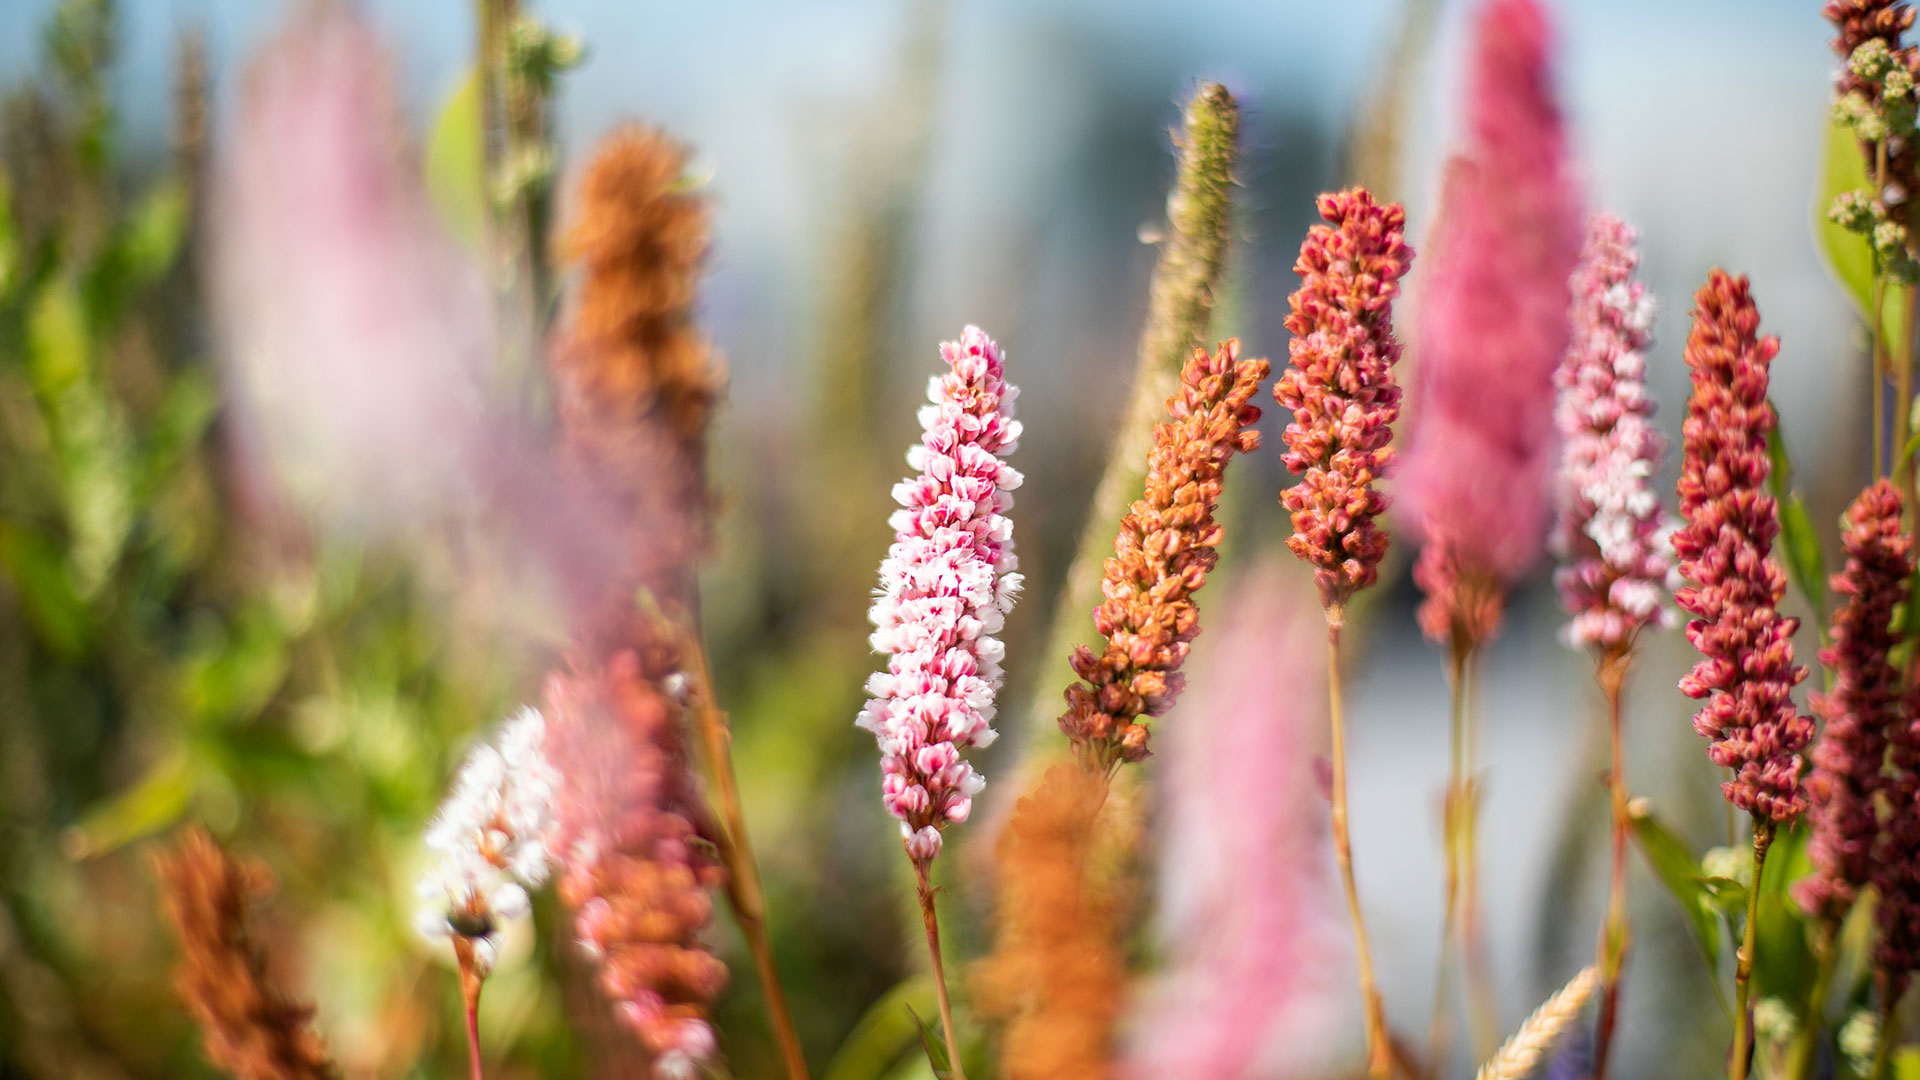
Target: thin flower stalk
x: 1746, y: 672
x: 1339, y: 384
x: 1612, y: 537
x: 1166, y: 545
x: 1491, y: 332
x: 946, y: 586
x: 249, y: 1025
x: 1180, y: 303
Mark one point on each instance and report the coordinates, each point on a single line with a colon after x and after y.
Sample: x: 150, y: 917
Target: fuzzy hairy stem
x: 470, y: 982
x: 1179, y: 308
x: 1379, y: 1052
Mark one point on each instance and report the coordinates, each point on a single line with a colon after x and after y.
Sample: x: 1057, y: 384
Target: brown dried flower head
x: 249, y: 1025
x: 634, y: 379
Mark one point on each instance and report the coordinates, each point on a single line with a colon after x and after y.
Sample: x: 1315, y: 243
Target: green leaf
x: 1806, y: 564
x: 152, y: 238
x: 1906, y: 1063
x: 456, y: 163
x: 9, y: 239
x: 53, y: 606
x: 59, y: 348
x: 1782, y: 955
x: 155, y: 802
x: 1847, y: 255
x: 884, y: 1035
x: 1679, y: 870
x: 930, y: 1040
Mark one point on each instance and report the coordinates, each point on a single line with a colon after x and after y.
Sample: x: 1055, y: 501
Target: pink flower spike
x: 1612, y: 537
x: 1746, y: 672
x: 1865, y: 707
x: 1492, y: 323
x: 946, y: 586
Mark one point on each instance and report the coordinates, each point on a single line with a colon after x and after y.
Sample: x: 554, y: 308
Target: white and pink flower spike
x: 1617, y: 570
x: 946, y: 586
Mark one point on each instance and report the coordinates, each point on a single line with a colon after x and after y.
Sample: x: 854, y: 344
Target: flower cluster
x: 1339, y: 384
x: 1492, y: 328
x: 1612, y: 536
x: 1864, y: 706
x: 634, y: 383
x: 489, y: 841
x: 1166, y: 545
x: 1896, y: 861
x: 1746, y: 672
x: 634, y: 868
x: 1875, y: 96
x: 946, y: 586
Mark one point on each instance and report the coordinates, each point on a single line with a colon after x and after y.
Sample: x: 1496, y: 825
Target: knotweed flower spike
x: 1166, y: 545
x: 634, y: 383
x: 1492, y: 329
x: 1612, y: 537
x: 489, y: 841
x: 1746, y: 673
x: 249, y: 1025
x: 634, y: 868
x: 1896, y: 867
x: 1339, y: 384
x: 1864, y: 707
x: 946, y: 586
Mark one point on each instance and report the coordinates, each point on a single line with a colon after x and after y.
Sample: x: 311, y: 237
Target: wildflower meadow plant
x: 1131, y: 901
x: 946, y: 586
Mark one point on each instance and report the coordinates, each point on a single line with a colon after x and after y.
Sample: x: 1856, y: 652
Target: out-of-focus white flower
x: 489, y: 840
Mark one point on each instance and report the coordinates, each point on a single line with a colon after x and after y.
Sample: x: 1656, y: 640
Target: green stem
x: 1743, y: 960
x: 1613, y: 939
x: 1879, y: 332
x: 1180, y: 302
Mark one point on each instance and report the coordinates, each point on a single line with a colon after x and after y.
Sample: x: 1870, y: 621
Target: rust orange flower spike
x: 1166, y: 545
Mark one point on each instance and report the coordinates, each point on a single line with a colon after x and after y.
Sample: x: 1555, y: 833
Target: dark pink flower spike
x: 1340, y: 387
x: 1865, y: 705
x: 1746, y: 672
